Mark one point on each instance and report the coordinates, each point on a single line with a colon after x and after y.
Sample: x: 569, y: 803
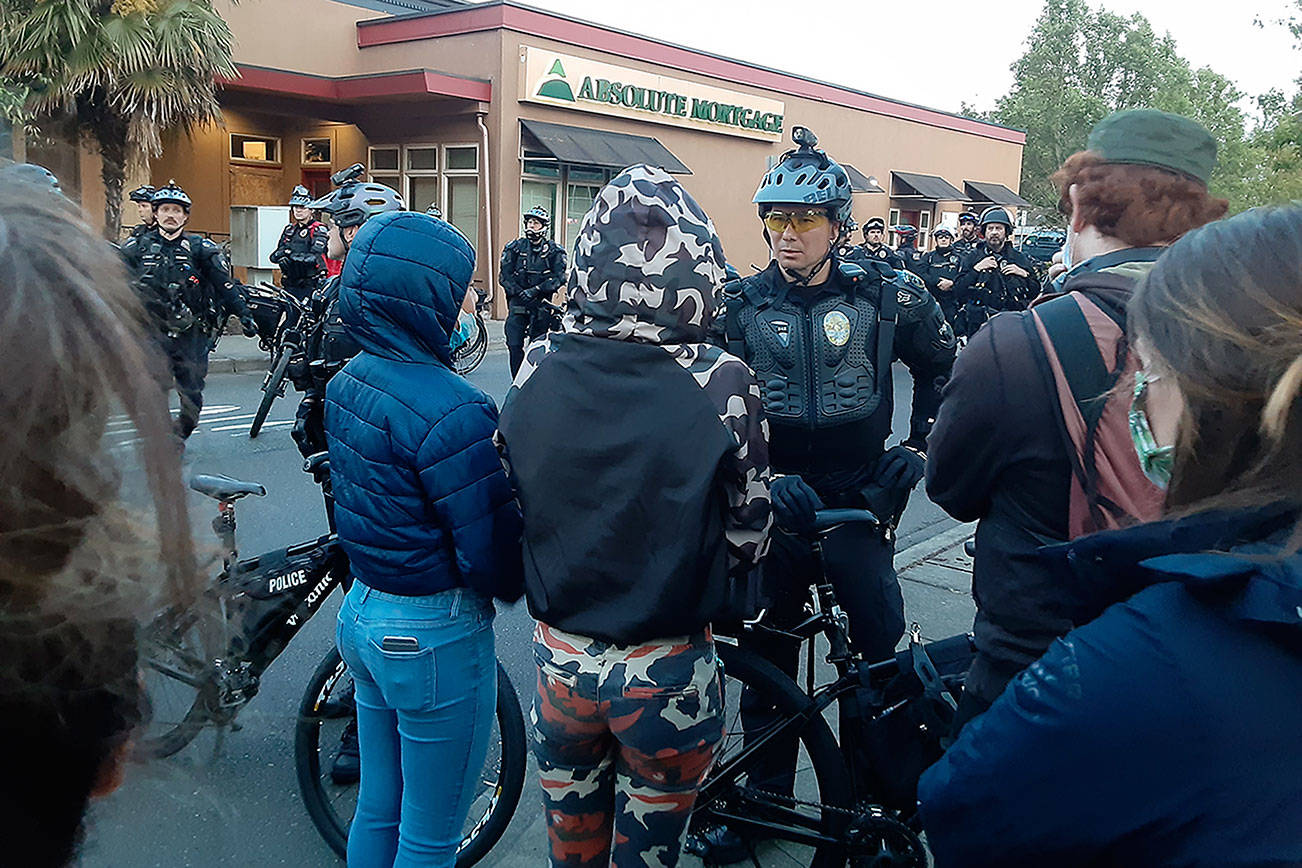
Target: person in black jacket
x: 808, y: 325
x: 141, y: 196
x: 188, y: 291
x: 995, y: 276
x: 907, y: 250
x: 998, y: 453
x: 874, y: 244
x: 630, y: 560
x: 301, y: 251
x: 969, y: 233
x: 939, y: 269
x: 532, y: 270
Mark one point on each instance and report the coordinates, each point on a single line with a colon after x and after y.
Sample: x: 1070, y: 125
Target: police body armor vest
x: 169, y: 273
x: 337, y: 346
x: 818, y: 365
x: 532, y: 266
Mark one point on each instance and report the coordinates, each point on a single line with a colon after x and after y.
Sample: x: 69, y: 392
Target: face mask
x: 1066, y: 248
x: 465, y: 328
x: 1156, y: 461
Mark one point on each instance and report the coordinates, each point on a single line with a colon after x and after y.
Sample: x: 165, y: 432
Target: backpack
x: 1084, y: 356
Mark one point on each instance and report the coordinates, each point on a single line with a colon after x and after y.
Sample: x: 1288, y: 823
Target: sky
x: 941, y: 53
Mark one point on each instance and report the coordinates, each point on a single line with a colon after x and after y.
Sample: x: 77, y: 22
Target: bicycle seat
x: 220, y: 487
x: 826, y: 519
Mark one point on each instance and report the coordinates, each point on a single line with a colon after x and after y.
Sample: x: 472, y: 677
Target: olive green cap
x: 1148, y: 137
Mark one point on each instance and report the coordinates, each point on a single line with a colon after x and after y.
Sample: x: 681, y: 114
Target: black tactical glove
x: 900, y: 468
x: 250, y: 326
x: 794, y: 503
x: 529, y: 296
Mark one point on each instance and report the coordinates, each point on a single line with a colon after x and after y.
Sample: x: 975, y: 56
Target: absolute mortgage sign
x: 587, y: 85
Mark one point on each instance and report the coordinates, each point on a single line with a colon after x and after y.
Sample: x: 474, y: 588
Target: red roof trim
x: 534, y: 22
x: 357, y: 87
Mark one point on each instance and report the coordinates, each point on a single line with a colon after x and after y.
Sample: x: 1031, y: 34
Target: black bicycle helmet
x: 538, y: 212
x: 142, y: 193
x: 355, y: 203
x: 995, y: 214
x: 172, y: 193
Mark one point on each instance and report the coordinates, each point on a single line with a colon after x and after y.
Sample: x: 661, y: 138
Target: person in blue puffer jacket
x: 1164, y: 729
x: 432, y: 531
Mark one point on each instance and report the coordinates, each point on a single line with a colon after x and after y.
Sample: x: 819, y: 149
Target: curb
x: 919, y: 552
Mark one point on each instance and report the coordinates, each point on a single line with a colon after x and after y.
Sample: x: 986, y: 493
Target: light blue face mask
x: 1066, y: 249
x: 465, y: 328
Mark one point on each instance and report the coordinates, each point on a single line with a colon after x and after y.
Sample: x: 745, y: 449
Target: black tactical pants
x: 187, y: 353
x: 523, y: 324
x: 860, y: 562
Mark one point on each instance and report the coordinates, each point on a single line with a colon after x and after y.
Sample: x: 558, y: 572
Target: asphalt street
x: 234, y: 800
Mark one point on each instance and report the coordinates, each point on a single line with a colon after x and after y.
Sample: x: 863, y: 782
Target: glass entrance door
x: 535, y: 193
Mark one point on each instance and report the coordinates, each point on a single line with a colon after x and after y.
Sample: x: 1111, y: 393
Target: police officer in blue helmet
x: 821, y: 334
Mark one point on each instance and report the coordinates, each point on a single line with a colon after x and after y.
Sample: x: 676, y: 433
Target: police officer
x: 328, y: 347
x: 969, y: 233
x: 532, y: 269
x: 141, y: 196
x: 300, y: 253
x: 908, y: 249
x: 874, y: 244
x: 188, y: 292
x: 821, y: 334
x: 993, y: 277
x: 939, y: 269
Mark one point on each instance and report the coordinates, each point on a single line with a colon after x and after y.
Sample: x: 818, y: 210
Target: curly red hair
x: 1141, y: 206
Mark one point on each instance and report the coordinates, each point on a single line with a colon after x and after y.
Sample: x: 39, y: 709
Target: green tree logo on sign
x: 556, y: 87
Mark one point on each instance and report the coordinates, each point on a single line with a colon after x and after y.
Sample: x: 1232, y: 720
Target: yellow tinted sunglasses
x: 801, y: 221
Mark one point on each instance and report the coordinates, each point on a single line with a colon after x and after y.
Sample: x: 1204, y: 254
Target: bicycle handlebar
x: 826, y: 519
x: 943, y: 652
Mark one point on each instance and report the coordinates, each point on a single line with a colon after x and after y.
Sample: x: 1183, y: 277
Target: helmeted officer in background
x: 434, y: 211
x: 300, y: 253
x: 939, y: 269
x: 821, y: 335
x: 188, y: 291
x: 532, y: 270
x: 141, y: 196
x: 993, y: 277
x: 328, y: 347
x: 874, y: 244
x: 969, y: 233
x: 907, y: 250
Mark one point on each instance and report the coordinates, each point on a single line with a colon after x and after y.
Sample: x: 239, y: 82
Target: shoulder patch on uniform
x: 910, y: 290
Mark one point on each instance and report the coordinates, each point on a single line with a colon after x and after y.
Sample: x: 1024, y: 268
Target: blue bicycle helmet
x: 171, y: 193
x: 806, y: 176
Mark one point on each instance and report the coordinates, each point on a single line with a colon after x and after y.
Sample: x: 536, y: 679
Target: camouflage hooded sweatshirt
x: 638, y: 450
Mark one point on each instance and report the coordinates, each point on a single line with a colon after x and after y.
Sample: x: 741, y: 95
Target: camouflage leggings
x: 623, y: 736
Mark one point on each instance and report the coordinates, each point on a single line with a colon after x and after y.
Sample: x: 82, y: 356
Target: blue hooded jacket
x: 1164, y: 731
x: 422, y: 503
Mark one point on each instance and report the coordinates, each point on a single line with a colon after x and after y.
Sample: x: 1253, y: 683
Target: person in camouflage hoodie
x: 639, y: 454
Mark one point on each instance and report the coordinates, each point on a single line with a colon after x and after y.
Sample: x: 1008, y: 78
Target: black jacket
x: 881, y: 254
x: 537, y: 268
x: 638, y: 450
x: 993, y: 289
x: 996, y: 455
x: 300, y: 253
x: 187, y: 271
x: 836, y: 457
x: 938, y: 264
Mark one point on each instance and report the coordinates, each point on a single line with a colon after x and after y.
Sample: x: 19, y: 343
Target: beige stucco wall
x: 314, y: 36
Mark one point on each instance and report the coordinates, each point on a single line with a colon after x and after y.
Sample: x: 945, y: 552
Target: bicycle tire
x: 748, y: 669
x: 484, y: 833
x: 470, y: 355
x: 270, y: 391
x: 175, y: 734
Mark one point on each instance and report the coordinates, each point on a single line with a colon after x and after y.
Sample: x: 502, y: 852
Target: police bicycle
x: 284, y: 322
x: 470, y: 354
x: 852, y: 803
x: 203, y: 663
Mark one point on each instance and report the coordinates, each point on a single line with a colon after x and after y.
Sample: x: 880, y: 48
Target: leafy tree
x: 1081, y: 64
x: 124, y: 70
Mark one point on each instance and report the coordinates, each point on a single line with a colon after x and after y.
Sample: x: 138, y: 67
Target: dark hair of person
x: 79, y: 570
x: 1141, y: 206
x: 1222, y: 311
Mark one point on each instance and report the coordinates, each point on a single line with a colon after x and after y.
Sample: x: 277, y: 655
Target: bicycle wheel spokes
x: 175, y: 678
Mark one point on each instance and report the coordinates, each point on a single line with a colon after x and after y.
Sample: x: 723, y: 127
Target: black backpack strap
x: 887, y: 313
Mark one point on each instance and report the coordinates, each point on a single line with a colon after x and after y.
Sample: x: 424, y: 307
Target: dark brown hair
x: 78, y: 570
x: 1222, y: 311
x: 1141, y: 206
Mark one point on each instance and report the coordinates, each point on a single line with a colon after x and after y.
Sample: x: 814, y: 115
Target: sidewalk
x: 936, y: 577
x: 237, y: 354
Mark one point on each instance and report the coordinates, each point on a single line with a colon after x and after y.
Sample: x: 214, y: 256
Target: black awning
x: 859, y: 182
x: 995, y: 194
x: 933, y: 187
x: 586, y: 147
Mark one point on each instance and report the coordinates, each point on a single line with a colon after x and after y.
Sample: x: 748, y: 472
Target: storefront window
x: 535, y: 193
x: 578, y: 199
x: 384, y: 159
x: 924, y: 228
x: 542, y: 168
x: 463, y: 158
x: 422, y: 192
x: 422, y: 158
x: 463, y: 206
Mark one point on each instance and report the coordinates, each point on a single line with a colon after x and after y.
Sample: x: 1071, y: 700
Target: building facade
x: 489, y: 109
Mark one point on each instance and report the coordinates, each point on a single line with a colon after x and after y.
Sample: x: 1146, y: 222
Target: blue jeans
x: 426, y: 680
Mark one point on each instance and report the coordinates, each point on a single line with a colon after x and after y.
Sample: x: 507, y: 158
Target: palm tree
x: 123, y: 70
